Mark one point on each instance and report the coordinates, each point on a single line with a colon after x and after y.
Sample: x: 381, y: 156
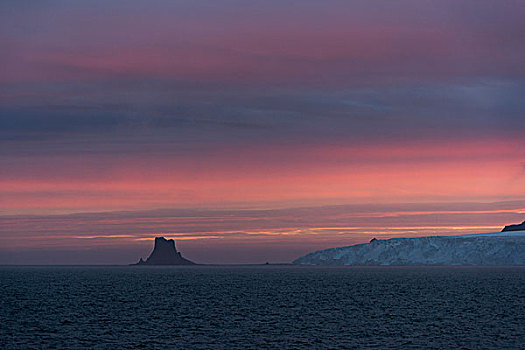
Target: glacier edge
x: 499, y: 248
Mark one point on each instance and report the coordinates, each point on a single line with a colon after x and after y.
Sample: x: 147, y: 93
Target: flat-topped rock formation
x: 165, y: 253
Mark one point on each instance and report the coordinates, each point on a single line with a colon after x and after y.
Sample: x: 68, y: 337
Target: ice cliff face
x: 505, y: 248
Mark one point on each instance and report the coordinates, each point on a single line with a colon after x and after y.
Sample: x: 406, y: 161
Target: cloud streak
x: 213, y: 235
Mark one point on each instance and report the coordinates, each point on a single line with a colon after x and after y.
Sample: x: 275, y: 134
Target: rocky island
x: 499, y: 248
x: 165, y: 253
x: 518, y: 227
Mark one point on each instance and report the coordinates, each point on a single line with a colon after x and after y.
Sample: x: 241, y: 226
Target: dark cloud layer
x: 257, y: 72
x: 176, y: 118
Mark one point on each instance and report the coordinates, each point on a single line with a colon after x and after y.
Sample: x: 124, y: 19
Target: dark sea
x: 262, y: 307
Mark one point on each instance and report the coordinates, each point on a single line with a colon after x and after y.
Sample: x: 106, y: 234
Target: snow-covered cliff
x: 500, y: 248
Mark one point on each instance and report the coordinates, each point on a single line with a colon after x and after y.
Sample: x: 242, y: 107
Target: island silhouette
x: 503, y: 248
x: 165, y: 253
x: 517, y: 227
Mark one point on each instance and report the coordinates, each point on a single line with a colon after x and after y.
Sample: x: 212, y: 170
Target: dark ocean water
x: 265, y: 307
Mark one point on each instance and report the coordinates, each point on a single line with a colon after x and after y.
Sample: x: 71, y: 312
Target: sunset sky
x: 255, y: 131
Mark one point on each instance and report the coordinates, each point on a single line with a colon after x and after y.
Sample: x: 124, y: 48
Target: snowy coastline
x: 498, y: 248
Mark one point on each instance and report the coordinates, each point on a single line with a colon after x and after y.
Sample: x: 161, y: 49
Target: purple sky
x: 207, y: 120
